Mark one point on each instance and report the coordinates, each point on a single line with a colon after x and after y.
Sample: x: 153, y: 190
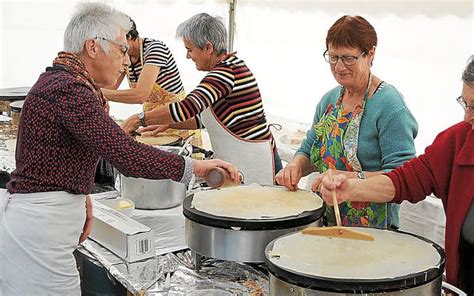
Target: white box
x: 125, y: 237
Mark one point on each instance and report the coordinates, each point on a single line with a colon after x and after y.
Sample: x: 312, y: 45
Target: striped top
x: 158, y: 54
x: 232, y: 91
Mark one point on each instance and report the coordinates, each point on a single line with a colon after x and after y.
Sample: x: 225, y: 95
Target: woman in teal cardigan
x: 362, y: 128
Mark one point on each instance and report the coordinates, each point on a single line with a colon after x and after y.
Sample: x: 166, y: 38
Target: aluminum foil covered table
x: 172, y: 272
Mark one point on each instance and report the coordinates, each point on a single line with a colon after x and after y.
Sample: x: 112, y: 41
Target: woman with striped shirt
x: 153, y: 76
x: 228, y: 95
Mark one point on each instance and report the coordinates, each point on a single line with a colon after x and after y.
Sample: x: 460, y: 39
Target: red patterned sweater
x: 446, y: 170
x: 64, y: 130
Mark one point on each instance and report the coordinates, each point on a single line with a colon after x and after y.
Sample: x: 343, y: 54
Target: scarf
x: 72, y: 62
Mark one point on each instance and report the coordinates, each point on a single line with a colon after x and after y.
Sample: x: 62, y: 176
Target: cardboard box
x: 125, y: 237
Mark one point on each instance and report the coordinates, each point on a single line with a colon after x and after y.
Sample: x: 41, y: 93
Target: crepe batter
x: 255, y: 202
x: 391, y: 255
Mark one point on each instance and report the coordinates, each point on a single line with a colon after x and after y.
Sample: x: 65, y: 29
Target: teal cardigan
x: 386, y: 135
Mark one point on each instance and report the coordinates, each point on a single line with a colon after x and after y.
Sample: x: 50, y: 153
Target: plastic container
x: 122, y: 205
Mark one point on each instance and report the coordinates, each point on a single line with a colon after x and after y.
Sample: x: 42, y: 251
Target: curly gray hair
x: 468, y: 74
x: 203, y: 28
x: 92, y: 20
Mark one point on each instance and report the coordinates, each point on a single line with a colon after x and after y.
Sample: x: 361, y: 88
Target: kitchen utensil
x: 334, y: 200
x: 337, y: 231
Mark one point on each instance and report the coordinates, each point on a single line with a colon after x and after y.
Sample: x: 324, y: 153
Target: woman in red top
x: 445, y: 170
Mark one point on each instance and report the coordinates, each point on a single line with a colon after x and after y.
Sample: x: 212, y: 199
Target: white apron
x: 38, y: 233
x: 253, y: 158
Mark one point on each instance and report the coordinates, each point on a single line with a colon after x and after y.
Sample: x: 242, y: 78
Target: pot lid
x: 13, y: 93
x: 17, y: 105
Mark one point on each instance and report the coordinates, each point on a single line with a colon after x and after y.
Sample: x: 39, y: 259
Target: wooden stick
x: 334, y: 200
x: 338, y: 231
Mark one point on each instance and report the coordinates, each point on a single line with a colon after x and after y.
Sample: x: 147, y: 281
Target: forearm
x: 127, y: 96
x: 189, y: 124
x: 159, y: 116
x: 375, y: 189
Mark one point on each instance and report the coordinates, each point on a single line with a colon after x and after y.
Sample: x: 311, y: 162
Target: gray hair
x: 203, y: 28
x: 92, y: 20
x: 468, y: 74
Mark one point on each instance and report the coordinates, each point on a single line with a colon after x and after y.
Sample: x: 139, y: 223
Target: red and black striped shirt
x: 232, y: 91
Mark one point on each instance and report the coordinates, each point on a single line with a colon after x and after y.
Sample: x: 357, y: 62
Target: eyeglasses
x: 346, y: 60
x: 124, y: 48
x: 463, y: 104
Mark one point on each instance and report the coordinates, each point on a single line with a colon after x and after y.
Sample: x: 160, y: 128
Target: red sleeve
x: 413, y: 180
x: 430, y: 173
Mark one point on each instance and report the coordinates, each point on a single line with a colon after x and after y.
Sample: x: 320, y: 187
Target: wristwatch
x: 361, y: 175
x: 141, y: 116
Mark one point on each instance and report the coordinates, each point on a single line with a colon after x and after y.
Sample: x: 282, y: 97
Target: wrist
x: 197, y: 167
x: 353, y: 192
x: 361, y: 175
x: 141, y: 119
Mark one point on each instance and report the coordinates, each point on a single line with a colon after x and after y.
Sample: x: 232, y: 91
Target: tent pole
x: 232, y: 5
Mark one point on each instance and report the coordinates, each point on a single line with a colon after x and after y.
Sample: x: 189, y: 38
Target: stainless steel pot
x: 156, y: 194
x: 152, y: 194
x: 15, y: 111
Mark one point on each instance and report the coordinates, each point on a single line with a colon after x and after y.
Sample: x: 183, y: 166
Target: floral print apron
x: 160, y: 97
x: 337, y: 134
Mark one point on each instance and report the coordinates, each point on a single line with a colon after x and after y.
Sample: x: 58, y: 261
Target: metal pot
x: 15, y: 111
x: 152, y: 194
x: 156, y: 194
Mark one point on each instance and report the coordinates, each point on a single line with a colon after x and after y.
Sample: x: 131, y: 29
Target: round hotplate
x: 302, y: 219
x: 293, y: 273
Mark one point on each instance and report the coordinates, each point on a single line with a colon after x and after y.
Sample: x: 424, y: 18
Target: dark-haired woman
x: 153, y: 77
x: 362, y: 128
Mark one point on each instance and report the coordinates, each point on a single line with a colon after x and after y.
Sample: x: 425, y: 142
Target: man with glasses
x: 362, y: 128
x: 45, y: 211
x: 446, y: 169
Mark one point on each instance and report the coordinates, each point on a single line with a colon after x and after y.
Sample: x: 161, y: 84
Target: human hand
x: 340, y: 183
x: 131, y: 124
x: 289, y: 176
x: 86, y: 230
x: 319, y: 178
x: 153, y: 130
x: 201, y: 167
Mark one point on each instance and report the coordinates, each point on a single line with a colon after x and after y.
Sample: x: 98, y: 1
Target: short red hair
x: 352, y: 31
